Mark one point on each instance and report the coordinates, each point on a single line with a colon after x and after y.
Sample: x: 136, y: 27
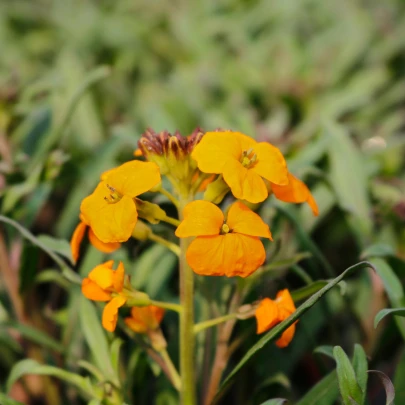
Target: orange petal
x: 110, y: 222
x: 110, y: 313
x: 134, y: 177
x: 135, y: 325
x: 270, y: 163
x: 138, y: 153
x: 214, y: 151
x: 103, y: 275
x: 118, y: 277
x: 245, y: 184
x: 93, y: 292
x: 225, y: 255
x: 76, y: 240
x: 103, y: 247
x: 145, y: 318
x: 295, y: 191
x: 241, y: 219
x: 200, y: 218
x: 286, y: 337
x: 284, y: 299
x: 267, y: 315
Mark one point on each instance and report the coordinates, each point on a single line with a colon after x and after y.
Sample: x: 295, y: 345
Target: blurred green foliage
x: 80, y: 81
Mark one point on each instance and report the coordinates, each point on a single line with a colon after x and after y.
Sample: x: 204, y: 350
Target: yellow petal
x: 241, y: 219
x: 200, y: 218
x: 103, y: 275
x: 225, y: 255
x: 118, y: 278
x: 267, y: 315
x: 214, y: 151
x: 76, y: 240
x: 270, y: 163
x: 93, y: 292
x: 110, y: 222
x: 295, y: 191
x: 110, y: 313
x: 244, y: 183
x: 245, y: 141
x: 133, y: 178
x: 103, y: 247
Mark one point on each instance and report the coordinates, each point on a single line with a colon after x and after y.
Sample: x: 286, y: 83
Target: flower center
x: 248, y: 158
x: 114, y: 196
x: 225, y: 229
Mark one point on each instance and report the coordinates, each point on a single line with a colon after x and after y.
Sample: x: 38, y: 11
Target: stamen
x: 225, y: 229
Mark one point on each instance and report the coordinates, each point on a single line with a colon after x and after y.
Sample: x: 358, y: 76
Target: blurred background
x: 81, y: 80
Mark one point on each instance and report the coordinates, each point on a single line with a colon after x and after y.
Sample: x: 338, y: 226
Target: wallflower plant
x: 216, y: 181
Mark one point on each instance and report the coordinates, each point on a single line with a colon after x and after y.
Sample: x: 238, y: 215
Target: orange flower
x: 230, y: 247
x: 110, y: 210
x: 271, y: 312
x: 243, y: 163
x: 145, y: 319
x: 105, y: 284
x: 296, y: 192
x: 78, y: 236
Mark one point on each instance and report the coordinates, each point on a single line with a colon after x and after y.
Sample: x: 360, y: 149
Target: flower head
x: 230, y: 246
x: 110, y: 210
x: 105, y: 284
x: 295, y: 192
x: 243, y: 163
x: 145, y: 319
x: 271, y: 312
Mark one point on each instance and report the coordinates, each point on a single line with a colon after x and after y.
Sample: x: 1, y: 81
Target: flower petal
x: 284, y: 300
x: 225, y: 255
x: 103, y: 275
x: 286, y: 337
x: 200, y: 218
x: 145, y: 318
x: 110, y: 222
x: 76, y: 240
x: 245, y: 184
x: 110, y: 313
x: 118, y: 278
x: 133, y: 178
x: 241, y: 219
x: 101, y: 246
x: 246, y: 142
x: 267, y: 315
x: 93, y: 292
x: 295, y: 191
x: 215, y: 150
x: 270, y: 163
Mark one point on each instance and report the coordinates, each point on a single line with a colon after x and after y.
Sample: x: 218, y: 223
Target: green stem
x: 172, y: 221
x: 172, y: 246
x: 187, y: 364
x: 198, y: 327
x: 167, y: 305
x: 170, y: 196
x: 171, y: 369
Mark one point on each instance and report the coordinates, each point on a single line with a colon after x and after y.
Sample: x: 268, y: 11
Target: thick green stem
x: 187, y: 363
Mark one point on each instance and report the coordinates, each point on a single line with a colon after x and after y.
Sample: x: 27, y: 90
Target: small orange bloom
x: 78, y: 236
x: 295, y: 192
x: 243, y: 163
x: 145, y: 319
x: 271, y: 312
x: 110, y: 210
x: 228, y: 247
x: 105, y: 284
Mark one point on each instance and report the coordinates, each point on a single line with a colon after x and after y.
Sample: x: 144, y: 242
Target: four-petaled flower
x: 145, y: 319
x: 243, y: 163
x: 110, y: 210
x: 105, y: 284
x: 271, y: 312
x: 228, y: 247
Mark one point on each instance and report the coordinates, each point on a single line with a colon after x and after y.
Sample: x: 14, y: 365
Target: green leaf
x: 305, y: 292
x: 348, y: 384
x: 325, y: 392
x: 388, y: 386
x: 275, y: 401
x: 274, y: 333
x: 60, y: 246
x: 5, y: 400
x: 360, y: 366
x: 115, y: 354
x: 388, y: 311
x: 326, y: 350
x: 399, y: 380
x: 377, y: 250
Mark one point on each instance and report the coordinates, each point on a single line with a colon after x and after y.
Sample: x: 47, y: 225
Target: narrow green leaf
x: 399, y: 380
x: 388, y: 311
x: 360, y: 366
x: 325, y: 392
x: 326, y: 350
x: 275, y: 401
x: 5, y: 400
x: 60, y: 246
x: 377, y: 250
x: 305, y: 292
x: 388, y: 386
x: 115, y: 354
x: 348, y: 385
x: 277, y: 330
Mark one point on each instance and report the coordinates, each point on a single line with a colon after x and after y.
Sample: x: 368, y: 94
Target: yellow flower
x: 231, y: 247
x: 110, y: 210
x: 145, y: 319
x: 271, y: 312
x: 105, y: 284
x: 243, y: 163
x: 78, y: 236
x: 296, y: 192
